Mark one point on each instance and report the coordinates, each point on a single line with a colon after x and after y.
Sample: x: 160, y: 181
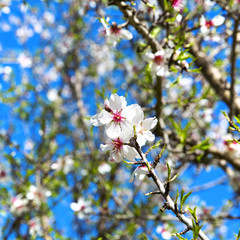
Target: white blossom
x: 177, y: 5
x: 35, y: 228
x: 19, y: 205
x: 158, y: 61
x: 37, y: 195
x: 207, y: 24
x: 82, y: 207
x: 116, y: 116
x: 114, y: 33
x: 104, y: 168
x: 24, y: 60
x: 139, y: 173
x: 63, y: 164
x: 143, y: 127
x: 119, y: 150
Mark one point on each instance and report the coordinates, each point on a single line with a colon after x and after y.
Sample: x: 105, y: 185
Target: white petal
x: 117, y: 102
x: 204, y: 29
x: 141, y: 140
x: 95, y: 120
x: 160, y: 71
x: 116, y: 156
x: 106, y: 147
x: 134, y: 113
x: 149, y: 123
x: 129, y: 153
x: 75, y: 206
x: 113, y: 130
x: 218, y: 20
x: 105, y: 117
x: 125, y: 34
x: 202, y: 21
x: 149, y: 136
x: 148, y: 57
x: 160, y: 53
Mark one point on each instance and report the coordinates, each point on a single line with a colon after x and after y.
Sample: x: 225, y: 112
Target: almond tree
x: 153, y: 76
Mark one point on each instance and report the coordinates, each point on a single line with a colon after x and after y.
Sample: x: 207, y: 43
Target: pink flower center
x: 82, y: 208
x: 117, y: 117
x: 32, y: 224
x: 2, y: 174
x: 175, y: 3
x: 117, y: 143
x: 115, y: 29
x: 209, y: 23
x: 158, y: 59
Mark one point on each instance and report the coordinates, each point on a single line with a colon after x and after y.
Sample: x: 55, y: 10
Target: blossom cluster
x: 122, y: 123
x: 34, y: 198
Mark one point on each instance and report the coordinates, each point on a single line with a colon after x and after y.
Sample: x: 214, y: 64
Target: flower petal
x: 149, y: 123
x: 218, y: 20
x: 125, y: 34
x: 113, y: 130
x: 75, y: 206
x: 117, y: 102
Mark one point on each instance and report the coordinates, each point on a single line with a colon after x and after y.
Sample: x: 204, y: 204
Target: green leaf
x: 180, y: 237
x: 195, y: 70
x: 196, y: 230
x: 155, y: 32
x: 156, y: 145
x: 193, y: 213
x: 204, y: 145
x: 169, y: 172
x: 176, y: 199
x: 183, y: 198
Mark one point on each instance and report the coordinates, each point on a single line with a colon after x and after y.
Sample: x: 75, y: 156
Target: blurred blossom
x: 7, y: 70
x: 35, y: 228
x: 158, y: 62
x: 163, y: 231
x: 46, y: 34
x: 4, y: 6
x: 37, y: 195
x: 5, y: 27
x: 139, y: 173
x: 64, y: 164
x: 24, y: 33
x: 207, y: 115
x: 24, y: 60
x: 49, y: 17
x: 52, y: 95
x: 61, y: 29
x: 37, y: 26
x: 65, y: 44
x: 103, y: 57
x: 104, y: 168
x: 14, y: 20
x: 4, y: 175
x: 177, y: 5
x: 207, y: 24
x: 24, y: 8
x: 82, y: 207
x: 186, y: 83
x: 18, y: 205
x: 114, y: 33
x: 28, y: 145
x: 231, y: 147
x: 51, y: 75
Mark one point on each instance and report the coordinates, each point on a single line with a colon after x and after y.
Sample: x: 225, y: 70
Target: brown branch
x: 131, y: 15
x: 212, y: 75
x: 233, y: 67
x: 223, y: 155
